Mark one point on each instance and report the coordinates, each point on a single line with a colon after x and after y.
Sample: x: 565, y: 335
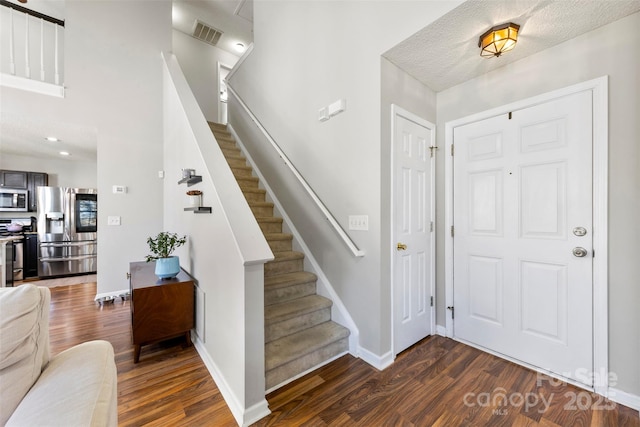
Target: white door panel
x: 522, y: 183
x: 412, y: 267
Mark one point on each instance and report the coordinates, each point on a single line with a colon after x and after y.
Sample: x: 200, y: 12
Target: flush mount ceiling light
x: 65, y: 153
x: 239, y: 47
x: 52, y: 139
x: 499, y: 39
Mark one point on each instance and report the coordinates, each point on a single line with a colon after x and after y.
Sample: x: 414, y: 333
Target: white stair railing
x: 36, y: 35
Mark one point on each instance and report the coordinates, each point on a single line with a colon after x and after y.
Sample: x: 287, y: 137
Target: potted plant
x: 167, y: 266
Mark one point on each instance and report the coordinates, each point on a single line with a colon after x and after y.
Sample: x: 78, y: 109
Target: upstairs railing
x: 32, y: 45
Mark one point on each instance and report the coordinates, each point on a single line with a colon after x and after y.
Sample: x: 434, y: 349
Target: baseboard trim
x: 441, y: 330
x: 378, y: 362
x: 624, y: 398
x: 244, y: 416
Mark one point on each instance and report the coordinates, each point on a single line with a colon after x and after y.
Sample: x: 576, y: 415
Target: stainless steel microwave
x: 13, y: 200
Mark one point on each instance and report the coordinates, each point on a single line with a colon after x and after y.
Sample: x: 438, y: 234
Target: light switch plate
x: 359, y: 222
x: 323, y: 116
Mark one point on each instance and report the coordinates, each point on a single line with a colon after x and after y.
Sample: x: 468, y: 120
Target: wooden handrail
x: 32, y: 12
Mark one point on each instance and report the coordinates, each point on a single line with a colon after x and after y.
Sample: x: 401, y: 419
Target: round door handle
x: 579, y: 252
x: 401, y: 247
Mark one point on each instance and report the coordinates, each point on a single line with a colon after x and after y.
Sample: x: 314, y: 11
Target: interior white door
x: 413, y: 261
x: 523, y: 235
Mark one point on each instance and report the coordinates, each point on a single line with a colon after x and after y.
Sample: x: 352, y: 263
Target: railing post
x: 55, y: 59
x: 41, y: 49
x: 12, y: 54
x: 26, y: 46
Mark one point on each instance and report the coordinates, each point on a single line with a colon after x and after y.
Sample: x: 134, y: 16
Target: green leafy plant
x: 164, y: 244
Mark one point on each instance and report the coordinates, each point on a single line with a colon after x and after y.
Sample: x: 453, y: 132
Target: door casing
x: 599, y: 89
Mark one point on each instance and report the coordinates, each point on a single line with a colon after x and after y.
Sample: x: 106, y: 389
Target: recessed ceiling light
x: 65, y: 153
x: 52, y: 139
x: 240, y: 47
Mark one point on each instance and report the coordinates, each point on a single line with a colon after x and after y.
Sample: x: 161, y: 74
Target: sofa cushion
x: 77, y: 388
x: 24, y: 342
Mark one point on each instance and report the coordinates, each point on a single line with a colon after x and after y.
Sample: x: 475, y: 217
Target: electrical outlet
x: 359, y: 222
x: 113, y: 220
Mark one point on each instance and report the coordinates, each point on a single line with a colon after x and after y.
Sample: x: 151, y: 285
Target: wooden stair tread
x: 294, y: 346
x: 294, y: 308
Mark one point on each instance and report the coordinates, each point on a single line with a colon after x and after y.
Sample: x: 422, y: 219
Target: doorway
x: 223, y: 72
x: 526, y: 211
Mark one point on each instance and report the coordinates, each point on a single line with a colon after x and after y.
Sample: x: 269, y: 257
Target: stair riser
x: 270, y: 227
x: 236, y: 162
x: 227, y: 145
x: 262, y: 211
x: 296, y: 324
x: 288, y: 293
x: 280, y: 245
x: 231, y: 151
x: 241, y: 172
x: 247, y: 183
x: 273, y: 268
x: 295, y: 367
x: 252, y: 196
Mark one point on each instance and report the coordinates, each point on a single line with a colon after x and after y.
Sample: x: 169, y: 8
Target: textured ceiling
x: 446, y: 52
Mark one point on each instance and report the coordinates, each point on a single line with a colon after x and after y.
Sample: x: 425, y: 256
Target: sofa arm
x: 77, y: 388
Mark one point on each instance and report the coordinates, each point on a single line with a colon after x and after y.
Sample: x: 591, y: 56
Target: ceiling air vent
x: 206, y: 33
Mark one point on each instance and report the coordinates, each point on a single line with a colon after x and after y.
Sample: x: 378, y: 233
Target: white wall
x: 199, y: 62
x: 307, y: 55
x: 612, y: 50
x: 62, y: 173
x: 113, y: 80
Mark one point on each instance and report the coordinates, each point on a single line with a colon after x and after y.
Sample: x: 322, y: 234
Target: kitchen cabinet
x: 13, y: 179
x: 160, y: 308
x: 24, y: 180
x: 35, y: 180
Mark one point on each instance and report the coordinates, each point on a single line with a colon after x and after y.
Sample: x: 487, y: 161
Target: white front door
x: 523, y: 235
x: 413, y: 259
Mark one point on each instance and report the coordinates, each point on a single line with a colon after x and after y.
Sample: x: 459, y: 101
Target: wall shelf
x: 200, y: 209
x: 194, y: 179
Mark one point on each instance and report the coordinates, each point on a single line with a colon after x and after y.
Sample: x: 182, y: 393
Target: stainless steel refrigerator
x: 67, y: 231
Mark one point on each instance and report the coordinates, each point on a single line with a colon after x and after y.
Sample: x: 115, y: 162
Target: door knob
x: 401, y: 247
x: 579, y: 252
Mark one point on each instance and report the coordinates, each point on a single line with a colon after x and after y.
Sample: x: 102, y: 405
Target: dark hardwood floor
x: 438, y: 382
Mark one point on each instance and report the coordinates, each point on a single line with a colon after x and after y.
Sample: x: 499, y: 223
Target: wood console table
x: 160, y: 309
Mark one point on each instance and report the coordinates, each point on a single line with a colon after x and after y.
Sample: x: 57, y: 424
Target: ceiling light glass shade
x: 499, y: 39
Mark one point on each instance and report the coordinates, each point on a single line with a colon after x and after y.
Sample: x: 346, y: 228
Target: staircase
x: 299, y: 333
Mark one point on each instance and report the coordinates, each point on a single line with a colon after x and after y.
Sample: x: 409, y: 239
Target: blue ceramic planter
x: 167, y: 268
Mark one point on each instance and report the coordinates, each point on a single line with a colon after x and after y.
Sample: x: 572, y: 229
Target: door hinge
x: 432, y: 149
x: 431, y: 227
x: 431, y: 301
x: 452, y: 231
x: 509, y: 115
x: 452, y: 311
x: 452, y: 149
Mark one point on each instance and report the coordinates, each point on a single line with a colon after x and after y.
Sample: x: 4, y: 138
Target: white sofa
x: 77, y: 387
